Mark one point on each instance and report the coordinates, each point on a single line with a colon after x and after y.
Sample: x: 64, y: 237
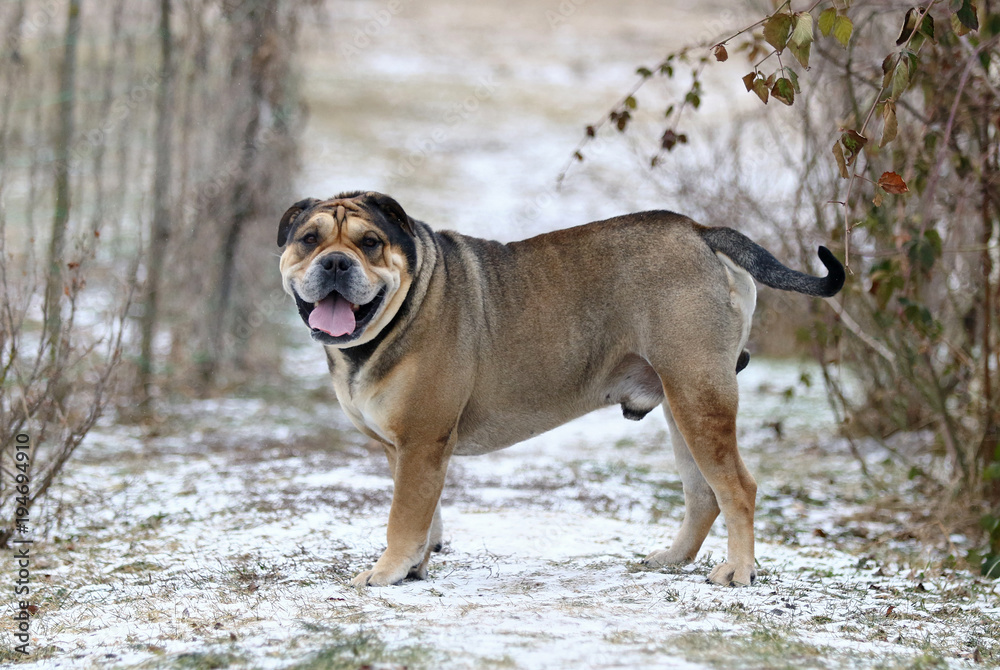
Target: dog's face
x: 348, y: 262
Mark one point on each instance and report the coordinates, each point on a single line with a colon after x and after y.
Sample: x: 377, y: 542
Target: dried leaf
x: 748, y: 80
x: 888, y: 123
x: 927, y: 27
x: 721, y: 54
x: 892, y: 183
x: 888, y: 67
x: 909, y: 25
x: 957, y: 27
x: 842, y: 30
x: 776, y: 31
x: 591, y: 131
x: 620, y: 119
x: 794, y: 78
x: 853, y: 142
x: 877, y: 200
x: 669, y: 139
x: 760, y: 88
x: 577, y: 155
x: 826, y: 20
x: 900, y: 78
x: 838, y: 153
x: 967, y: 15
x: 801, y: 52
x: 783, y: 91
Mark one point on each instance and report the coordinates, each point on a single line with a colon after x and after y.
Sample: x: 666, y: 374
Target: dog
x: 441, y: 344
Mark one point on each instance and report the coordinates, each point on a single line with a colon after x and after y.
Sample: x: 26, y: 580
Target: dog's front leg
x: 418, y: 473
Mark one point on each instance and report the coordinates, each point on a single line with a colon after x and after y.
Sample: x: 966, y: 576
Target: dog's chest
x: 365, y: 410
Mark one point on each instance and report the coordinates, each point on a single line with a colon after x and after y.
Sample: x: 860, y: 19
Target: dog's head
x: 348, y: 262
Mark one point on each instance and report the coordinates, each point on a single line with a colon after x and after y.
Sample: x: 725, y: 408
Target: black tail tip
x: 834, y: 280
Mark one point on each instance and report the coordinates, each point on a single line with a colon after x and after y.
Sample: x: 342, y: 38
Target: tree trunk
x: 160, y: 234
x: 64, y: 140
x: 241, y: 206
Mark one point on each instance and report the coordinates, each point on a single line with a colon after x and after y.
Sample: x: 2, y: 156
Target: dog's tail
x: 768, y: 270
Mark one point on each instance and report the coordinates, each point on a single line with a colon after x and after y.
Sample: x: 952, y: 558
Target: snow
x: 237, y: 529
x: 174, y: 546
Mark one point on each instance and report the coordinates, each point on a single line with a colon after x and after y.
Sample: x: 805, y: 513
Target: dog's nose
x: 335, y: 263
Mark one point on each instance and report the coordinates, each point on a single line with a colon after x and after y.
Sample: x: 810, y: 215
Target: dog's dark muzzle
x: 339, y: 316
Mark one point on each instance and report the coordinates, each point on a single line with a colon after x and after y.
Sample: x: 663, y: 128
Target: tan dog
x: 442, y: 344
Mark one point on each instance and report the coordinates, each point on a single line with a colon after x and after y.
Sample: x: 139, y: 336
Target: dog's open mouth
x: 335, y: 319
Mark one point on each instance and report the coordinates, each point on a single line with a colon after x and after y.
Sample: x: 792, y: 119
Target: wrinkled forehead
x: 344, y: 215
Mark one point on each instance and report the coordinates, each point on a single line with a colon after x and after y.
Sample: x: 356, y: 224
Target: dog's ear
x: 393, y: 210
x: 290, y: 216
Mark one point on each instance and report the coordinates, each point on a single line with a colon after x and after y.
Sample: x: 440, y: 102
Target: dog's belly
x: 487, y: 427
x: 504, y: 430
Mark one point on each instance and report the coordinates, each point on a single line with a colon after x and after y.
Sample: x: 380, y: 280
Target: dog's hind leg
x: 703, y: 404
x: 700, y: 506
x: 436, y: 537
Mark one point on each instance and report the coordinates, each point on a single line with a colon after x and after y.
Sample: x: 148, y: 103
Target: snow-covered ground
x: 229, y: 540
x: 226, y: 536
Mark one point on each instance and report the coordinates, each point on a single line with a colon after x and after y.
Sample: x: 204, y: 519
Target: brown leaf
x: 877, y: 200
x: 760, y: 88
x: 853, y: 142
x: 838, y: 153
x: 892, y: 183
x: 671, y: 139
x: 591, y: 131
x: 783, y: 91
x: 721, y: 54
x: 888, y: 123
x: 748, y: 80
x: 776, y: 31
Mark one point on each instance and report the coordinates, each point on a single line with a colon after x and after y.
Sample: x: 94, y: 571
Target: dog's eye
x: 370, y: 241
x: 310, y: 238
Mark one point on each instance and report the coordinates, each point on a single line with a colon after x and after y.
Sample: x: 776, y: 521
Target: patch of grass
x: 202, y: 660
x: 349, y: 651
x: 504, y: 661
x: 8, y: 655
x: 764, y: 647
x: 138, y: 567
x: 929, y: 660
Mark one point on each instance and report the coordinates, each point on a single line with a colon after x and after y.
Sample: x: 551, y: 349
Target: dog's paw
x: 378, y: 577
x: 659, y: 559
x: 733, y: 574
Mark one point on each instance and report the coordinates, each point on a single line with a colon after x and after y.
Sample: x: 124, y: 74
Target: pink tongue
x: 333, y: 316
